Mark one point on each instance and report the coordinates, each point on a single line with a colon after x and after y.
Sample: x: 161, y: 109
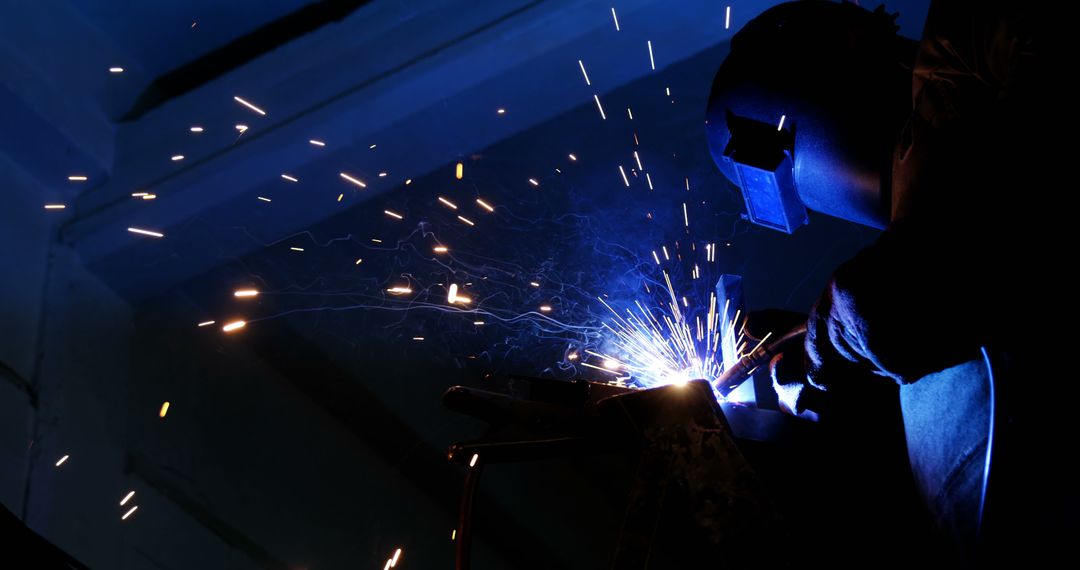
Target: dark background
x: 315, y: 437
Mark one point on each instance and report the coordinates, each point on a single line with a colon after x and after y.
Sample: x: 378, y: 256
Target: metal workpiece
x: 686, y: 446
x: 688, y: 478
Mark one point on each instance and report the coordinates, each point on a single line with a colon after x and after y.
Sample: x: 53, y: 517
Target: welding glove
x: 797, y: 394
x: 910, y: 304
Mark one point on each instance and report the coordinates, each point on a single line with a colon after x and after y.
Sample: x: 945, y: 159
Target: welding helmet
x: 805, y: 111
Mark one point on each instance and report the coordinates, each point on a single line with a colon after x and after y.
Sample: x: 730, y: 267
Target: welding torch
x: 734, y: 375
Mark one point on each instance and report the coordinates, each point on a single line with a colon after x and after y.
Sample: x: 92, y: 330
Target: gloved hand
x: 797, y: 393
x: 833, y: 351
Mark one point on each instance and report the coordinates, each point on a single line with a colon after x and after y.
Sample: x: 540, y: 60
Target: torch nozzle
x: 737, y: 373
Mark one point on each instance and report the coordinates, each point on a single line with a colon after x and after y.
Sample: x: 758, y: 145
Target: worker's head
x: 805, y: 111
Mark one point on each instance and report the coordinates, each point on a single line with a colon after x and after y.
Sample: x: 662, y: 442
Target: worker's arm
x: 932, y: 289
x: 915, y: 302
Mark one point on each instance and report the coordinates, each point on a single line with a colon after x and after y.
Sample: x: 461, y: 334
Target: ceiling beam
x: 402, y: 79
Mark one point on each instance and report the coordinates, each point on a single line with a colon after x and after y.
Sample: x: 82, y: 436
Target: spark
x: 657, y: 258
x: 249, y: 105
x: 545, y: 308
x: 630, y: 113
x: 667, y: 91
x: 372, y: 147
x: 599, y: 106
x: 534, y: 182
x: 62, y: 460
x: 478, y: 323
x: 624, y: 178
x: 139, y: 194
x: 129, y: 513
x: 146, y: 232
x: 666, y: 256
x: 466, y: 220
x: 685, y: 217
x: 196, y: 129
x: 340, y: 196
x: 382, y: 175
x: 453, y: 534
x: 638, y: 160
x: 241, y: 293
x: 289, y: 178
x: 149, y: 197
x: 652, y: 62
x: 534, y: 283
x: 418, y: 338
x: 659, y: 347
x: 459, y: 171
x: 648, y: 179
x: 408, y: 181
x: 448, y: 203
x: 781, y: 125
x: 242, y: 128
x: 451, y: 296
x: 500, y: 111
x: 485, y: 205
x: 393, y: 214
x: 177, y: 157
x: 358, y: 261
x: 394, y: 560
x: 264, y: 199
x: 77, y: 178
x: 572, y: 157
x: 376, y: 240
x: 116, y: 70
x: 296, y: 248
x: 600, y: 368
x: 582, y: 65
x: 727, y: 18
x: 315, y: 142
x: 440, y: 249
x: 206, y: 323
x: 234, y: 326
x: 55, y: 206
x: 615, y: 17
x: 758, y: 345
x: 127, y: 498
x: 399, y: 290
x: 161, y: 413
x: 353, y: 180
x: 472, y: 462
x: 687, y: 183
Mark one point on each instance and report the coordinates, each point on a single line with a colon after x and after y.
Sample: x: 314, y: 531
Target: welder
x: 947, y: 146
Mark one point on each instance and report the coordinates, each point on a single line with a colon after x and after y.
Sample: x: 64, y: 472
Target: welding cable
x: 740, y: 372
